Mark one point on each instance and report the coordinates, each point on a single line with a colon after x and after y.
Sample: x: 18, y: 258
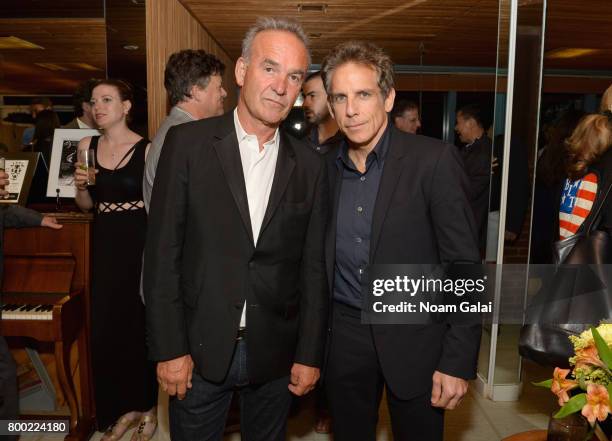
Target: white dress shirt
x: 258, y: 168
x: 82, y: 125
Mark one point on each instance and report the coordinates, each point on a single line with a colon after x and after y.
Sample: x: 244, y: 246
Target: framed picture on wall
x: 20, y: 167
x: 63, y: 157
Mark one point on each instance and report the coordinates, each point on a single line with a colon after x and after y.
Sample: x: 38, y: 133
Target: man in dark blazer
x: 476, y: 152
x: 235, y: 287
x: 398, y: 198
x: 84, y: 118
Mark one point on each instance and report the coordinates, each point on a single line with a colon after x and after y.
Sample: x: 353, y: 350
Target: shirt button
x: 358, y: 239
x: 359, y: 209
x: 360, y: 271
x: 362, y: 178
x: 318, y: 149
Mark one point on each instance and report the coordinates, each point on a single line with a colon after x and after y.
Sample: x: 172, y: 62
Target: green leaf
x: 547, y: 384
x: 602, y: 348
x: 575, y: 404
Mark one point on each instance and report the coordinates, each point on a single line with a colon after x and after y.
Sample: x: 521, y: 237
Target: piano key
x: 26, y: 312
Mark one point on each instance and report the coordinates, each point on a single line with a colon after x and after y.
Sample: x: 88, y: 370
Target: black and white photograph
x: 63, y: 157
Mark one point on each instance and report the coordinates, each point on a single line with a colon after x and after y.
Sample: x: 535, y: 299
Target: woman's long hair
x: 591, y: 139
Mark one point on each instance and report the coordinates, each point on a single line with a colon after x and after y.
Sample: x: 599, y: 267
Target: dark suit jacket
x: 73, y: 124
x: 422, y: 215
x: 477, y: 160
x: 201, y: 262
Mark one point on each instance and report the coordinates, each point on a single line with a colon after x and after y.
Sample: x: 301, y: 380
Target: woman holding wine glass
x: 125, y: 384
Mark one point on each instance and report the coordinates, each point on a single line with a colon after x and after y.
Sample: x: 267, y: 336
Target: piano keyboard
x: 13, y: 311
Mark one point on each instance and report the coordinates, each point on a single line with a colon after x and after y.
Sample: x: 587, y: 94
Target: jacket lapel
x: 284, y: 168
x: 391, y: 173
x: 335, y: 184
x: 229, y: 157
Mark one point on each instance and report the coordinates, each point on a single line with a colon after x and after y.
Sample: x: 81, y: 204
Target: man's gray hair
x: 273, y: 24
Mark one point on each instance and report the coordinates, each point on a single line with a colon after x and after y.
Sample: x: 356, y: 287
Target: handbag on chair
x: 545, y: 339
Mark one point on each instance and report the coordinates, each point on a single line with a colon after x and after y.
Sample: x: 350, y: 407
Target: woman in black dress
x: 125, y: 384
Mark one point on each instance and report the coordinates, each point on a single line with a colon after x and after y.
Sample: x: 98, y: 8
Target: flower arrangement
x: 591, y: 373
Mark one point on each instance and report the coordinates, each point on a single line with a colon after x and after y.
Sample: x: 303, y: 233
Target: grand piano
x: 46, y: 297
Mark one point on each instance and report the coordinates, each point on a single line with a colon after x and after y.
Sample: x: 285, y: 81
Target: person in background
x: 406, y: 116
x: 13, y: 216
x: 324, y: 134
x: 472, y: 130
x: 194, y: 82
x: 550, y: 173
x: 125, y: 387
x: 84, y: 118
x: 37, y: 105
x: 46, y: 123
x: 588, y: 174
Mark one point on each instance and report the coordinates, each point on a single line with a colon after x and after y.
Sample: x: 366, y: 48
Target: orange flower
x: 588, y: 356
x: 598, y: 403
x: 561, y: 386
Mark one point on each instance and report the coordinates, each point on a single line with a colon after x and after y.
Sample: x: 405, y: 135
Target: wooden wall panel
x: 170, y: 28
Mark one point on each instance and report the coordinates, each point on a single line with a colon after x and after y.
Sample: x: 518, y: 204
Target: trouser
x: 355, y: 384
x: 263, y: 408
x: 9, y: 398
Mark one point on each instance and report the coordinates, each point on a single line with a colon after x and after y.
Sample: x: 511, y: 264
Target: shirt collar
x: 241, y: 134
x: 189, y: 115
x: 81, y: 124
x: 378, y: 153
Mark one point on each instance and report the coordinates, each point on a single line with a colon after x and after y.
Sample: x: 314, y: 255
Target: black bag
x: 545, y: 340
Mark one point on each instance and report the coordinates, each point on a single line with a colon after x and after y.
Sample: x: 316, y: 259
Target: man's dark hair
x: 189, y: 68
x: 312, y: 75
x: 43, y: 100
x: 362, y: 53
x: 402, y: 106
x: 83, y: 95
x: 476, y: 112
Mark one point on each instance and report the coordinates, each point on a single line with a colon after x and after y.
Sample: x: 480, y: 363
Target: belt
x: 241, y: 334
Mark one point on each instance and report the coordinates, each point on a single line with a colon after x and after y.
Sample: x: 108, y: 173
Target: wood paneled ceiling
x: 453, y: 32
x: 75, y: 35
x: 76, y: 46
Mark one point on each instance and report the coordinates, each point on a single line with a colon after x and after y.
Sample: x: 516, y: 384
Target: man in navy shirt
x: 397, y: 199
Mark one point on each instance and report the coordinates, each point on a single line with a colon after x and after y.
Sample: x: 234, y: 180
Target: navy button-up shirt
x: 355, y: 212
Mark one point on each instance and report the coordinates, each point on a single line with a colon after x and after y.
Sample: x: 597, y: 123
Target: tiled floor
x: 477, y: 419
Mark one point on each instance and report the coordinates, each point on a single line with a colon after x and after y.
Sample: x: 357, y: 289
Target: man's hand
x: 50, y: 222
x: 447, y: 391
x: 174, y: 375
x: 303, y: 379
x: 4, y: 181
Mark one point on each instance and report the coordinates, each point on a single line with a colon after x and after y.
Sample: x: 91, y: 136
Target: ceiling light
x: 84, y: 66
x: 570, y: 52
x: 319, y: 7
x: 17, y: 43
x: 130, y: 47
x: 52, y: 66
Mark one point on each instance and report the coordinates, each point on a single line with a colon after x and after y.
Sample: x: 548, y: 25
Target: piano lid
x: 45, y: 273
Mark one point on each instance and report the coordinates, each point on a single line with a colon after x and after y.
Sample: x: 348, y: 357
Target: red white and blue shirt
x: 577, y: 201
